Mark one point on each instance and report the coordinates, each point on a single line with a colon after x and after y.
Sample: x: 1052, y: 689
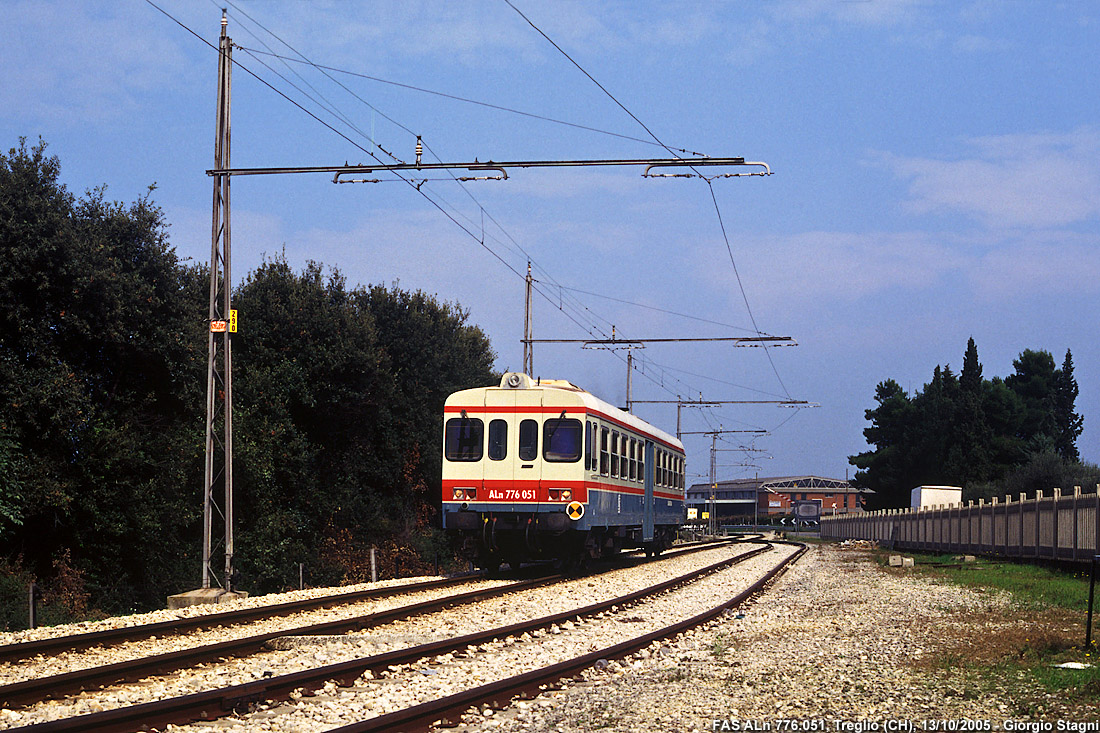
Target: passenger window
x: 587, y: 445
x: 624, y: 462
x: 595, y: 447
x: 641, y: 461
x: 528, y: 440
x: 561, y: 440
x: 463, y: 439
x: 498, y: 440
x: 614, y: 454
x: 604, y: 458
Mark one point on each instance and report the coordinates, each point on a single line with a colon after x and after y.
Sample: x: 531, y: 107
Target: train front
x: 513, y: 480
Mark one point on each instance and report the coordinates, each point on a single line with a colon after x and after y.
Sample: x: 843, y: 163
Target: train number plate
x: 513, y: 494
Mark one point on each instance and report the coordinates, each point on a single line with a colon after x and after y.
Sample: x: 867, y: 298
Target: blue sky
x: 936, y: 177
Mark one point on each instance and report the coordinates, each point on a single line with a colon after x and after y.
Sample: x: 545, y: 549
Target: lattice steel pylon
x: 222, y: 324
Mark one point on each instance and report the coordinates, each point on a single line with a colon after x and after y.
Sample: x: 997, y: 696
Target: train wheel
x: 490, y: 564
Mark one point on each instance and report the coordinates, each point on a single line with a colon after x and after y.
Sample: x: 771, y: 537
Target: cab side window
x: 528, y: 440
x: 498, y: 440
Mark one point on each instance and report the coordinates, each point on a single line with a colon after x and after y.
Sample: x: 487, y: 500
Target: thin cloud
x: 857, y: 12
x: 805, y: 270
x: 1025, y: 180
x: 78, y: 64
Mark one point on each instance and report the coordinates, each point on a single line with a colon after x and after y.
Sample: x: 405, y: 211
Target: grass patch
x: 1016, y: 646
x: 1032, y: 586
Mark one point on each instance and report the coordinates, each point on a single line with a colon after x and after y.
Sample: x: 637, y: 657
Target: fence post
x: 1096, y: 521
x: 1092, y: 586
x: 373, y: 564
x: 1023, y: 496
x: 1076, y: 533
x: 32, y: 611
x: 1038, y: 520
x: 1057, y: 519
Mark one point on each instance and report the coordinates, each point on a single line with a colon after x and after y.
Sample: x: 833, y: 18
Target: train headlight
x: 566, y: 494
x: 459, y: 494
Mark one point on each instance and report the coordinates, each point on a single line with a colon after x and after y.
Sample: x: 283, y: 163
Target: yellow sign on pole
x: 706, y: 515
x: 232, y: 321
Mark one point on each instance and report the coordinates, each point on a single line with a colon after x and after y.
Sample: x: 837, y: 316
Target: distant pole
x: 528, y: 348
x: 219, y: 385
x: 629, y: 369
x: 756, y: 503
x: 713, y: 482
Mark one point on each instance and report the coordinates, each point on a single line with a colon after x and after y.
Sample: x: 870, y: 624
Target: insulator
x: 419, y: 149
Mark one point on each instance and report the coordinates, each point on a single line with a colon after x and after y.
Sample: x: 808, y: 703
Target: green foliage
x: 338, y: 415
x: 1043, y: 471
x: 338, y: 400
x: 988, y: 436
x: 96, y: 393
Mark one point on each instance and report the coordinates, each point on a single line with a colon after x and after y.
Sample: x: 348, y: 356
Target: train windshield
x: 464, y: 439
x: 562, y: 440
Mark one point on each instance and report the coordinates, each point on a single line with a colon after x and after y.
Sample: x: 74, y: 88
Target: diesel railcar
x: 537, y: 469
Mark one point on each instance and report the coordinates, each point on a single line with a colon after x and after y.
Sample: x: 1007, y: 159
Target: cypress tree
x: 1067, y: 423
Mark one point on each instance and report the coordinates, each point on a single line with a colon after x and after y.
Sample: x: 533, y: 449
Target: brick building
x: 735, y: 498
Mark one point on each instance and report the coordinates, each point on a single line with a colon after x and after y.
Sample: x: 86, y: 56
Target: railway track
x: 41, y: 685
x: 75, y: 642
x: 241, y: 697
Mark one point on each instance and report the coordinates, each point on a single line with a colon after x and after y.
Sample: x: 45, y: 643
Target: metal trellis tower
x: 222, y: 324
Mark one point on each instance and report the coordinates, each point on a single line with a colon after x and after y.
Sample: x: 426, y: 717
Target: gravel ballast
x: 835, y: 645
x: 831, y: 647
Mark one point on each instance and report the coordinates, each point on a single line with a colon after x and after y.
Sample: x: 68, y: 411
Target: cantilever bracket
x: 688, y: 163
x: 359, y: 169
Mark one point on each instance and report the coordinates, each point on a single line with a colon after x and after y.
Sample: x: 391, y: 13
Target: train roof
x: 565, y: 394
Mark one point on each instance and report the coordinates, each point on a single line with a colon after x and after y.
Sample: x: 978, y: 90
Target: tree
x: 339, y: 411
x: 968, y: 455
x: 339, y: 395
x: 1067, y: 423
x: 96, y: 383
x: 1034, y: 383
x: 886, y: 470
x: 973, y: 432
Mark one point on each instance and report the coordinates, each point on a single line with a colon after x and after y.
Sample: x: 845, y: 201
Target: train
x: 542, y: 470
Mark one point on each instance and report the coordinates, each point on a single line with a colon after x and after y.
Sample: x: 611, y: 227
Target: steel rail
x: 44, y: 688
x: 73, y: 642
x: 22, y: 650
x: 216, y: 703
x: 421, y: 717
x: 32, y: 691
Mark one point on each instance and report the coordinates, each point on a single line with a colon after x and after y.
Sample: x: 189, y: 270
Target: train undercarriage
x: 493, y: 538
